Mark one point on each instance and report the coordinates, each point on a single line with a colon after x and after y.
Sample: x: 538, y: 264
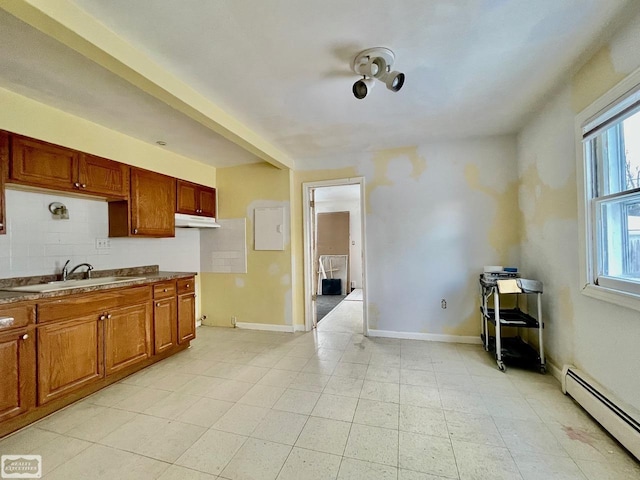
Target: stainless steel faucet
x: 66, y: 272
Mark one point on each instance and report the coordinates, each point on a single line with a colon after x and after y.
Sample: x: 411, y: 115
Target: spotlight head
x: 393, y: 80
x: 371, y: 67
x: 362, y: 87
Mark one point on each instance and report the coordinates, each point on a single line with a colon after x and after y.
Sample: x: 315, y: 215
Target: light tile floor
x: 331, y: 404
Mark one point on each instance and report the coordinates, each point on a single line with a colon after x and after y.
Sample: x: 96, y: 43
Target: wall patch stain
x: 549, y: 203
x: 593, y: 80
x: 381, y: 162
x: 504, y: 233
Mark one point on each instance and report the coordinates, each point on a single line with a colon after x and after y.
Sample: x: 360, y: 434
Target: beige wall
x: 264, y: 294
x: 22, y: 115
x: 594, y: 335
x: 435, y: 214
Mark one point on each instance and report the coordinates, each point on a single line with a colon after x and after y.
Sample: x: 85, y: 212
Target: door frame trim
x: 308, y: 266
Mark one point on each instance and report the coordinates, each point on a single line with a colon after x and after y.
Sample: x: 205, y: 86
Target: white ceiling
x: 282, y: 67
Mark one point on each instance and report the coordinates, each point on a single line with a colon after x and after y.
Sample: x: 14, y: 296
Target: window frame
x: 623, y: 293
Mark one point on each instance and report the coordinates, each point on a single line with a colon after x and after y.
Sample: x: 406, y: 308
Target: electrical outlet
x: 103, y: 243
x: 443, y: 304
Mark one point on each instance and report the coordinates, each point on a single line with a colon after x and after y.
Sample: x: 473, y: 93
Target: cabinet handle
x: 135, y: 231
x: 188, y: 285
x: 108, y: 316
x: 25, y: 336
x: 158, y: 304
x: 84, y: 185
x: 164, y: 290
x: 102, y: 317
x: 76, y: 185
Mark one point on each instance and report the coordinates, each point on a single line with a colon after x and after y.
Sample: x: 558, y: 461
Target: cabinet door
x: 4, y: 171
x: 165, y: 324
x: 127, y: 332
x: 207, y: 201
x: 70, y: 356
x: 186, y: 197
x: 103, y: 177
x: 186, y: 318
x: 42, y: 164
x: 153, y: 201
x: 18, y: 373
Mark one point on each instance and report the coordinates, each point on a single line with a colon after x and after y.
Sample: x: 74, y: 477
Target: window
x: 611, y: 151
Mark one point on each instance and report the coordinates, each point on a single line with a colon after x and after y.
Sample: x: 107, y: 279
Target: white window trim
x: 586, y: 240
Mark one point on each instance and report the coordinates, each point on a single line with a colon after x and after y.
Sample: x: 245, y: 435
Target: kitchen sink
x: 60, y: 285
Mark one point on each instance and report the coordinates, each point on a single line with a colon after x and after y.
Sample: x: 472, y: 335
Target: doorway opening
x: 334, y: 255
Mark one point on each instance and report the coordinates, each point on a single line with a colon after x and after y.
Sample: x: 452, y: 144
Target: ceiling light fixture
x: 375, y: 64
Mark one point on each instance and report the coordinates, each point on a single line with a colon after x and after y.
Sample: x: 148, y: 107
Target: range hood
x: 195, y: 221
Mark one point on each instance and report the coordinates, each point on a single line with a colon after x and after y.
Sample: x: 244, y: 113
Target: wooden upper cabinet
x: 194, y: 199
x: 45, y: 165
x: 152, y: 204
x: 208, y: 201
x: 42, y: 164
x: 4, y: 171
x: 187, y: 197
x: 103, y: 177
x: 18, y: 372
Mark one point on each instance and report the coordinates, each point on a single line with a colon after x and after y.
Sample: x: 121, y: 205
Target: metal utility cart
x: 510, y: 349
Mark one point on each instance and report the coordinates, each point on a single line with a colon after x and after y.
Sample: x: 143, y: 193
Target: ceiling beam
x: 75, y: 28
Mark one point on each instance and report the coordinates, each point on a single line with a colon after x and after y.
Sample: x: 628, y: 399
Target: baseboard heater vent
x: 622, y: 421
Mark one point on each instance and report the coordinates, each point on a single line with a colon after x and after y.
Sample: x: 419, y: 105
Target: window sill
x: 623, y: 299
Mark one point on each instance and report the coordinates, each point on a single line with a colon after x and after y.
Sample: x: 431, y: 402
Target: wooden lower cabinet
x: 76, y: 344
x: 165, y: 324
x: 127, y: 333
x: 186, y: 318
x: 18, y: 373
x: 70, y: 356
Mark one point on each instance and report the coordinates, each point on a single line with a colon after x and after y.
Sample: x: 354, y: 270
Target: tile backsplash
x: 37, y: 244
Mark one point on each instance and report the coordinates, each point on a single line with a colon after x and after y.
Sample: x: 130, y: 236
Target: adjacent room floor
x: 328, y: 404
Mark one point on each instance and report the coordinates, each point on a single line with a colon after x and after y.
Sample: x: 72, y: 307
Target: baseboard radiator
x: 622, y: 421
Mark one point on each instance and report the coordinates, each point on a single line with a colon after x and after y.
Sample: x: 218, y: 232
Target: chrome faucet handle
x: 89, y: 268
x: 65, y: 272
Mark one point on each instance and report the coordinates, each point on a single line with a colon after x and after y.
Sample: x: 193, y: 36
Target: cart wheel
x: 543, y: 369
x: 501, y: 367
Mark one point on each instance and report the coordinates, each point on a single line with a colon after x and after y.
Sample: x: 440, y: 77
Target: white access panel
x: 269, y: 228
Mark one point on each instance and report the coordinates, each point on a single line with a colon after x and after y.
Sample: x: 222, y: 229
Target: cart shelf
x: 513, y: 317
x: 516, y: 352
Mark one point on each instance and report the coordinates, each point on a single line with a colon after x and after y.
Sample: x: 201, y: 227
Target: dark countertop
x: 150, y: 273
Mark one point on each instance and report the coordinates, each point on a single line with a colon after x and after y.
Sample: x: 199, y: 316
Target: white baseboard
x: 198, y: 322
x: 433, y: 337
x: 270, y: 327
x: 555, y: 371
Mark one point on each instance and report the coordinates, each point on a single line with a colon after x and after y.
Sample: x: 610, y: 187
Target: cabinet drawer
x: 164, y: 289
x: 186, y: 285
x: 85, y: 304
x: 17, y: 316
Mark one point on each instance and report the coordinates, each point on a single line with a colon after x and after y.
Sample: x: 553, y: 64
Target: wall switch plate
x: 103, y: 243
